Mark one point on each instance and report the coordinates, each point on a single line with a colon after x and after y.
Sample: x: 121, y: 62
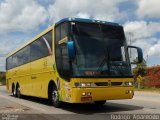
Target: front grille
x: 101, y: 83
x: 116, y: 83
x: 108, y: 83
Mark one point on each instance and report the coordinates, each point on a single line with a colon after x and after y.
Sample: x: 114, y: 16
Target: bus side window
x: 58, y: 33
x: 23, y: 56
x: 64, y: 30
x: 15, y: 60
x: 62, y: 59
x: 58, y: 49
x: 9, y: 63
x: 48, y: 37
x: 38, y: 50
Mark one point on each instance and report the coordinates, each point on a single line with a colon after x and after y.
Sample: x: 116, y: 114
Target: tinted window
x: 48, y: 37
x: 38, y: 49
x: 26, y: 55
x: 98, y: 30
x: 65, y: 61
x: 33, y: 51
x: 100, y: 49
x: 85, y: 29
x: 64, y: 30
x: 9, y: 63
x: 14, y: 60
x: 58, y: 49
x: 23, y: 56
x: 61, y: 49
x: 58, y: 34
x: 19, y: 58
x: 112, y: 32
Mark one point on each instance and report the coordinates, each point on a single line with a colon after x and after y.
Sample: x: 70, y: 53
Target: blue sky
x: 20, y: 20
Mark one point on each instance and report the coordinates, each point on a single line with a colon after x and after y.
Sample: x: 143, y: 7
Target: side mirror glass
x: 71, y: 49
x: 135, y: 54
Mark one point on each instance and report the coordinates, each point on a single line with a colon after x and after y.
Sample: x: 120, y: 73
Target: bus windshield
x: 100, y: 50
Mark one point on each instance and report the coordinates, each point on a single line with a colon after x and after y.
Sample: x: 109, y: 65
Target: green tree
x: 140, y: 69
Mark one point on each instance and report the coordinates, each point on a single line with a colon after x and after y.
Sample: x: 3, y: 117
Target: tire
x: 13, y: 91
x: 18, y: 92
x: 54, y: 97
x: 100, y: 103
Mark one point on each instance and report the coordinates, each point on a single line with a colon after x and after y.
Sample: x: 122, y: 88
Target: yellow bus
x: 76, y: 61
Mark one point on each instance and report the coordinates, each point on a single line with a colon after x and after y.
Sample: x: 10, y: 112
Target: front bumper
x: 101, y: 93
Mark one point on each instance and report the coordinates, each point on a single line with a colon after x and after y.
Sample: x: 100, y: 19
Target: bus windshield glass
x: 100, y: 50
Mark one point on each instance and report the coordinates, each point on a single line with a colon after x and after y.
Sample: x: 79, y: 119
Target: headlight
x: 128, y: 83
x: 83, y: 84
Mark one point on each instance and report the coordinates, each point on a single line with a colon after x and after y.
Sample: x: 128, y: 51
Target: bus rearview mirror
x: 71, y: 49
x: 135, y: 54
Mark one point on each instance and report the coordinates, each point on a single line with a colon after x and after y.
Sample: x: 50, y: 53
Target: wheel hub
x: 54, y: 96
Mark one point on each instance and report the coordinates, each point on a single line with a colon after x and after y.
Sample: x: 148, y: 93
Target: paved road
x: 36, y: 108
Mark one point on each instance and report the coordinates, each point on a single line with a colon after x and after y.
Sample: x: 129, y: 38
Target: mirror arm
x: 140, y: 54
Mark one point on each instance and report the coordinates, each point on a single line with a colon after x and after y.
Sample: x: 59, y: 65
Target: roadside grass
x: 2, y: 78
x: 3, y: 81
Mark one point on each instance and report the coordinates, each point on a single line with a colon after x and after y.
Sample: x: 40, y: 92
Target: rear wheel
x: 13, y: 90
x: 54, y: 97
x: 18, y: 92
x: 100, y: 103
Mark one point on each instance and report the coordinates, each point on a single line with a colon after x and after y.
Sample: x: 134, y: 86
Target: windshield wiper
x: 105, y: 60
x: 106, y: 57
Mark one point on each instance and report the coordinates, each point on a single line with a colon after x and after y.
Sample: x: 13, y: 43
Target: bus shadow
x: 88, y: 108
x: 109, y: 107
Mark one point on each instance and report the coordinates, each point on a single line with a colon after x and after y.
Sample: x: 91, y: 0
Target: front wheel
x: 54, y: 97
x: 100, y: 103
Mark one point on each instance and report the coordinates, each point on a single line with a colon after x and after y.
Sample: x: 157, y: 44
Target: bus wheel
x: 13, y: 91
x: 18, y: 93
x: 100, y: 103
x: 55, y: 97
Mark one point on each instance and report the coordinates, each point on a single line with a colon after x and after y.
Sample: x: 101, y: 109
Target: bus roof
x: 87, y: 20
x: 61, y: 21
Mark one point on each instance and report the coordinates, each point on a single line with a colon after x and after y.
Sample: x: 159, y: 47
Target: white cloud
x: 103, y: 9
x: 154, y: 50
x: 10, y: 43
x: 148, y: 46
x: 21, y: 15
x: 142, y: 29
x: 143, y: 35
x: 148, y: 8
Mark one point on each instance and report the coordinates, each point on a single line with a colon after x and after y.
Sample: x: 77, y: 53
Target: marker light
x: 128, y: 83
x: 83, y: 84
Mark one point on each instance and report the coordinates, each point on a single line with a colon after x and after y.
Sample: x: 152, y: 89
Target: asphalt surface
x: 37, y: 108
